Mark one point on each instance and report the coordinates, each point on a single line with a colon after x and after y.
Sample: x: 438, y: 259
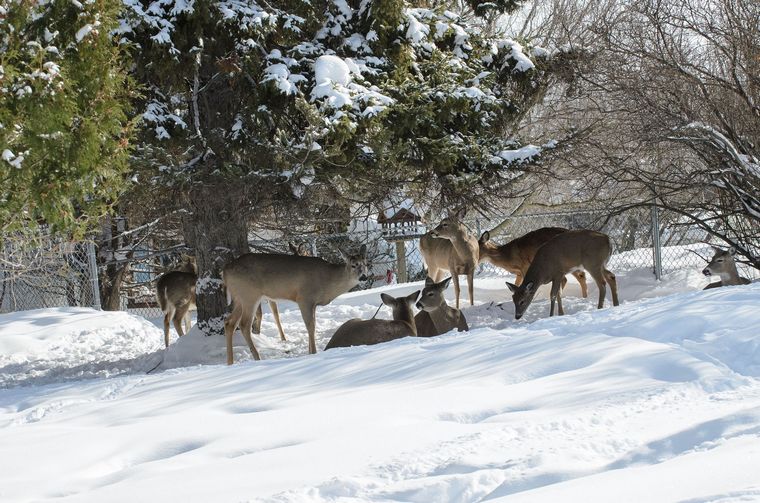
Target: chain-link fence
x: 39, y: 271
x: 44, y: 272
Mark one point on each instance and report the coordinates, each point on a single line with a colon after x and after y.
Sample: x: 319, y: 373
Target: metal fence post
x: 93, y: 270
x: 656, y: 248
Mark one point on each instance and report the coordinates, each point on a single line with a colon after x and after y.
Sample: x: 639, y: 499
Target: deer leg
x: 581, y: 277
x: 612, y: 280
x: 470, y: 280
x: 554, y: 295
x: 276, y: 314
x: 309, y: 314
x: 188, y: 321
x: 230, y: 324
x: 168, y: 315
x: 560, y: 310
x: 179, y: 317
x: 437, y: 275
x: 256, y: 328
x: 455, y: 277
x: 599, y: 279
x: 246, y: 320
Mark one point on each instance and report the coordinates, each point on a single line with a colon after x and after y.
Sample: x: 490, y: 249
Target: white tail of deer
x: 449, y: 247
x: 358, y: 332
x: 175, y: 292
x: 724, y: 265
x: 517, y: 255
x: 436, y: 317
x: 307, y: 281
x: 566, y: 252
x: 301, y: 250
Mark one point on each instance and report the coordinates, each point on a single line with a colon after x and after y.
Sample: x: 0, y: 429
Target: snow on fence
x: 45, y: 272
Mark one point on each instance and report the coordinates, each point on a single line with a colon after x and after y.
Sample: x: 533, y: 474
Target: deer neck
x: 344, y: 279
x: 461, y: 244
x: 731, y: 276
x: 442, y: 317
x: 405, y: 315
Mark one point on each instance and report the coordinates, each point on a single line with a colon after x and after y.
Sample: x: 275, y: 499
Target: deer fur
x: 566, y: 252
x: 450, y: 247
x: 358, y: 332
x: 307, y: 281
x: 723, y: 265
x: 436, y: 317
x: 516, y: 255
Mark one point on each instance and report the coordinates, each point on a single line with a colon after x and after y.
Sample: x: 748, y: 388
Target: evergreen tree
x: 64, y: 99
x: 251, y: 106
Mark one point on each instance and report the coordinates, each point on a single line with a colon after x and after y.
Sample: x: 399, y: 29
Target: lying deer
x: 301, y: 250
x: 358, y: 332
x: 435, y: 316
x: 560, y: 255
x: 517, y: 255
x: 724, y: 265
x: 449, y: 247
x: 307, y: 281
x: 175, y: 292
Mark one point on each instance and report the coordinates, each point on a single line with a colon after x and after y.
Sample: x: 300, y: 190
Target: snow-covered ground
x: 655, y: 400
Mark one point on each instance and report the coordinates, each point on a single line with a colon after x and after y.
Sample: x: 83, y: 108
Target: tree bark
x: 216, y: 229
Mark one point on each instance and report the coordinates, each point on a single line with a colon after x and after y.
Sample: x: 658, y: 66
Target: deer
x: 723, y: 264
x: 566, y: 252
x: 358, y: 332
x: 175, y: 293
x: 516, y: 255
x: 450, y: 247
x: 300, y: 250
x: 307, y: 281
x: 436, y: 317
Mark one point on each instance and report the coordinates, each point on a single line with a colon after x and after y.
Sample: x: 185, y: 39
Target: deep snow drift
x: 655, y: 400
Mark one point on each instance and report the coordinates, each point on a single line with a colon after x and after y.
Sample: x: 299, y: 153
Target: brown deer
x: 307, y: 281
x: 436, y: 317
x: 175, y: 292
x: 517, y: 255
x: 724, y: 265
x: 449, y: 247
x: 358, y: 332
x: 301, y: 250
x: 560, y: 255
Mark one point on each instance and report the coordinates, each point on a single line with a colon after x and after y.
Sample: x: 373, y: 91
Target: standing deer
x: 435, y: 316
x: 450, y: 247
x: 175, y: 292
x: 724, y: 265
x: 301, y: 250
x: 563, y: 253
x: 517, y: 255
x: 358, y: 332
x: 307, y: 281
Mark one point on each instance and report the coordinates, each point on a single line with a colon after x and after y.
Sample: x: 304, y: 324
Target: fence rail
x: 47, y: 272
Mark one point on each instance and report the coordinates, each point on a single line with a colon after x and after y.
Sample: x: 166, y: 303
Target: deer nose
x: 419, y: 305
x: 706, y: 272
x: 518, y: 316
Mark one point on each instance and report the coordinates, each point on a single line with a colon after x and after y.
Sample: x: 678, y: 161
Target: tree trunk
x: 110, y: 286
x: 217, y: 232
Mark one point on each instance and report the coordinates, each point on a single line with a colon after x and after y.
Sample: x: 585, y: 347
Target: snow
x: 331, y: 69
x: 632, y: 403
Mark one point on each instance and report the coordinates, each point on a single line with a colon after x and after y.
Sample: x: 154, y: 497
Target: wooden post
x: 400, y: 262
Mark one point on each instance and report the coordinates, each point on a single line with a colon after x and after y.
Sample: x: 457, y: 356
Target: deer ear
x: 293, y: 248
x: 529, y: 286
x: 387, y: 299
x: 429, y: 281
x: 731, y: 251
x: 413, y: 297
x: 512, y: 287
x: 485, y: 237
x: 461, y: 214
x: 445, y: 283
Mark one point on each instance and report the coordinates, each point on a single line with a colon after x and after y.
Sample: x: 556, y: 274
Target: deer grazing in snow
x: 566, y: 252
x: 307, y: 281
x: 450, y: 247
x: 175, y: 292
x: 301, y: 250
x: 435, y: 316
x: 517, y: 255
x: 358, y: 332
x: 723, y: 264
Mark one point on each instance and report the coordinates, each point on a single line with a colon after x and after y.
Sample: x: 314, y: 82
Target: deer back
x: 566, y: 252
x: 516, y: 255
